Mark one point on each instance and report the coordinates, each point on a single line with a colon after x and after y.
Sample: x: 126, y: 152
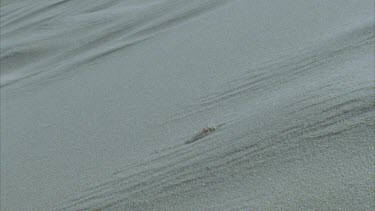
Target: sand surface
x: 99, y: 100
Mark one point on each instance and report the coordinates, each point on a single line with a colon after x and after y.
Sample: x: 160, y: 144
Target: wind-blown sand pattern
x: 187, y: 105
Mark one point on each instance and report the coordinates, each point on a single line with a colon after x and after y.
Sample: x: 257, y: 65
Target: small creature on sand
x: 204, y: 132
x: 208, y: 129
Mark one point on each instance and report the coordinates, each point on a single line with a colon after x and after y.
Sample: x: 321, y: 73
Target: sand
x: 99, y: 100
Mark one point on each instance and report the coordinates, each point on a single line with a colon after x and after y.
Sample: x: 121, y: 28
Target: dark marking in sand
x: 203, y: 133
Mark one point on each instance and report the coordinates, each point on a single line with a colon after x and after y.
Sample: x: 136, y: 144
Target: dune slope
x: 100, y: 101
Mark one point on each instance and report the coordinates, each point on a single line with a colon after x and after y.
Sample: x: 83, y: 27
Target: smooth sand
x: 99, y: 97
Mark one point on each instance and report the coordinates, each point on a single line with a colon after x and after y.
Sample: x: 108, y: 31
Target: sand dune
x: 297, y: 150
x: 100, y: 102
